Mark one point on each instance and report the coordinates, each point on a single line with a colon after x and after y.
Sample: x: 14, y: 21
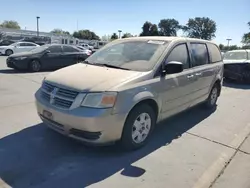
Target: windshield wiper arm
x: 87, y: 62
x: 111, y: 66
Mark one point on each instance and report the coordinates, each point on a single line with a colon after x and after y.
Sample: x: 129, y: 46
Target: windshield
x: 133, y: 55
x: 14, y: 44
x: 235, y: 55
x: 40, y: 49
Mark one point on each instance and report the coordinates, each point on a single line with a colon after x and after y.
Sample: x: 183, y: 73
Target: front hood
x: 5, y: 47
x: 85, y: 77
x: 21, y: 54
x: 235, y: 61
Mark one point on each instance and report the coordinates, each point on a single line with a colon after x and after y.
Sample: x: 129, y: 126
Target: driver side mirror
x: 172, y: 67
x: 47, y: 51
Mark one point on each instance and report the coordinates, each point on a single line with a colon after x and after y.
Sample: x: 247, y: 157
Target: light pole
x: 119, y: 31
x: 228, y: 41
x: 37, y: 25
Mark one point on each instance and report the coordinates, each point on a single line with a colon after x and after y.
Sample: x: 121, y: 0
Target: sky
x: 105, y: 17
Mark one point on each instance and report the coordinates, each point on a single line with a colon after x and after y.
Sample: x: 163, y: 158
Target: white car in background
x: 87, y: 46
x: 17, y: 47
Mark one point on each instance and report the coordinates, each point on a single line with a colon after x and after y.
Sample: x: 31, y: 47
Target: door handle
x: 198, y: 74
x: 190, y: 76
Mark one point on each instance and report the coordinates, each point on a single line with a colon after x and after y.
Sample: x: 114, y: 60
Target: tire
x: 146, y: 127
x: 35, y: 65
x: 213, y: 97
x: 8, y: 52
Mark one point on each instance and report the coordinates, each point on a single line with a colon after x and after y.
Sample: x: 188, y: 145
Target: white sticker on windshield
x: 156, y: 42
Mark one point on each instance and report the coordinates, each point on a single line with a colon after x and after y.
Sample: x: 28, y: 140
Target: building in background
x: 14, y: 35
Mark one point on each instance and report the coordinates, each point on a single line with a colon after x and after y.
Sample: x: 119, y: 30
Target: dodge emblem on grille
x: 53, y: 95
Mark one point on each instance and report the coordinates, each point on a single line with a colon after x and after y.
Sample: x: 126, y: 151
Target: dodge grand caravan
x: 121, y: 91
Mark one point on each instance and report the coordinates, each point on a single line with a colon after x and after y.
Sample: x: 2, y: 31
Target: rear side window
x: 180, y: 54
x: 55, y: 49
x: 22, y: 44
x: 69, y: 49
x: 29, y: 44
x: 199, y: 54
x: 214, y: 53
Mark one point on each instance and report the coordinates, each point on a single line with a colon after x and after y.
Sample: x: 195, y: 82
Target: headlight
x: 100, y: 100
x: 20, y: 58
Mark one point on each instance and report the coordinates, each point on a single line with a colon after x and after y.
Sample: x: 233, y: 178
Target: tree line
x: 198, y: 27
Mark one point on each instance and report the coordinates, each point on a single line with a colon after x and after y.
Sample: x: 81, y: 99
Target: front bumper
x: 2, y: 51
x: 17, y: 64
x: 238, y: 72
x: 92, y: 126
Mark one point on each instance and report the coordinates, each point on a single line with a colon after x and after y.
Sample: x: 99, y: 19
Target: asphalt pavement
x: 197, y: 148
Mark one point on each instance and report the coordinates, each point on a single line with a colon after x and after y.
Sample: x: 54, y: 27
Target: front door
x: 54, y: 58
x: 30, y: 46
x: 177, y: 89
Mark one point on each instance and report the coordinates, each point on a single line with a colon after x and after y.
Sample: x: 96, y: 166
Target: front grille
x: 59, y: 97
x: 85, y: 134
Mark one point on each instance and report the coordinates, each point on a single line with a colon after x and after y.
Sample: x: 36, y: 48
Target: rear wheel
x: 213, y: 97
x: 35, y: 66
x: 9, y: 52
x: 138, y: 127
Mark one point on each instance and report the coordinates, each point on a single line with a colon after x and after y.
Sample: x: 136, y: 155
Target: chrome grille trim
x: 57, y: 96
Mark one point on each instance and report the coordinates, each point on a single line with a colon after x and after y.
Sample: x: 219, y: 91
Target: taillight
x: 89, y: 53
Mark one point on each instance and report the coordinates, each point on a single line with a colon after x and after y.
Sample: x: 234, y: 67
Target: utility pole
x: 37, y: 25
x: 228, y: 41
x: 119, y: 31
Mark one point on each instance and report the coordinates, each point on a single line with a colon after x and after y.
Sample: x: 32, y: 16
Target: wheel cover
x: 35, y: 66
x: 214, y: 95
x: 9, y: 52
x: 141, y: 128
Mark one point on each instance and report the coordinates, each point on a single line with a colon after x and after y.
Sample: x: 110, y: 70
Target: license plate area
x: 47, y: 114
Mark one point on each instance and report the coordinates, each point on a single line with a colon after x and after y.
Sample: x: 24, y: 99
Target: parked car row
x: 51, y: 56
x: 120, y: 92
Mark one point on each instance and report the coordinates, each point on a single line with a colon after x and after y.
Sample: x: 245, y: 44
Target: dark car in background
x: 237, y: 65
x: 6, y: 42
x: 51, y: 56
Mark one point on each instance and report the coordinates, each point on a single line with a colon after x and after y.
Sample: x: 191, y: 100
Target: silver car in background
x: 125, y: 88
x: 17, y: 47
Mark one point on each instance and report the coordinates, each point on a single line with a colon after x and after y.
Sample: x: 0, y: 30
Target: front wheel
x: 9, y: 52
x: 35, y: 66
x: 138, y: 127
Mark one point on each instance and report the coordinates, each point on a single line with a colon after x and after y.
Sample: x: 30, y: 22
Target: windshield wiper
x: 111, y: 66
x: 87, y: 62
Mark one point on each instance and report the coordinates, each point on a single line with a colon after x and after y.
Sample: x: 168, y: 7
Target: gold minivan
x: 125, y: 88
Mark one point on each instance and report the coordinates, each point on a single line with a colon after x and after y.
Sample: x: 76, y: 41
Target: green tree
x: 200, y: 27
x: 246, y: 37
x: 86, y: 34
x: 221, y: 46
x: 60, y: 31
x: 127, y: 35
x: 114, y: 36
x: 246, y: 47
x: 168, y: 27
x: 149, y: 29
x: 10, y: 24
